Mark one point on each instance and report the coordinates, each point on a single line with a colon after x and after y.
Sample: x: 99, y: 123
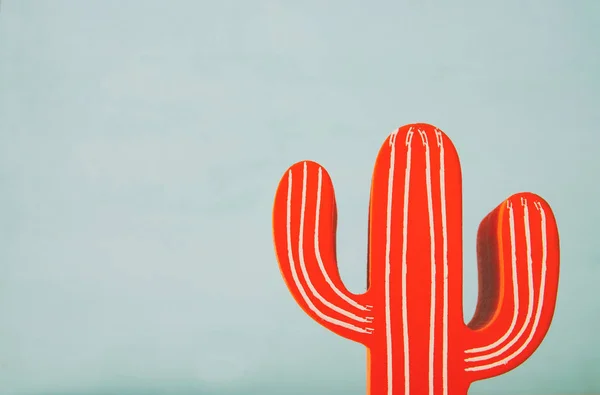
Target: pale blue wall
x: 141, y: 143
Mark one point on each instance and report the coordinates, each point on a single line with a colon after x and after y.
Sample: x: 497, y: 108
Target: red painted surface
x: 411, y: 316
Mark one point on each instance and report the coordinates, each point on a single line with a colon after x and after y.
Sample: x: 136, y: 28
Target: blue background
x: 141, y: 143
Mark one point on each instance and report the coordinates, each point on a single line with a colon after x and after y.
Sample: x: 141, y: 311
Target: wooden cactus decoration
x: 411, y: 317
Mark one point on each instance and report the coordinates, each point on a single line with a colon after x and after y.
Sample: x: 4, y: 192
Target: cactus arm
x: 518, y: 250
x: 304, y: 220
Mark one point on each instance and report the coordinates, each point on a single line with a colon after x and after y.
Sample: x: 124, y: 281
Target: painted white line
x: 297, y: 282
x: 540, y: 302
x: 440, y: 143
x: 408, y: 140
x: 388, y: 243
x: 388, y: 231
x: 432, y: 260
x: 404, y: 264
x: 515, y: 282
x: 318, y: 252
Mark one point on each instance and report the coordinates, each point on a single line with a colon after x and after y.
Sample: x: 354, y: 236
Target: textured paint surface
x: 141, y: 143
x: 411, y: 317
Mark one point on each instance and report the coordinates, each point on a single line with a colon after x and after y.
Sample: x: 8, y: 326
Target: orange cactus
x: 411, y: 316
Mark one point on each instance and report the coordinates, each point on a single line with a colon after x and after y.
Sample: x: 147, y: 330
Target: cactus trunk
x: 411, y: 317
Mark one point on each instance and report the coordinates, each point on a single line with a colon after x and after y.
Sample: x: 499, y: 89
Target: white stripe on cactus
x: 440, y: 143
x: 405, y: 266
x: 431, y: 258
x: 388, y: 327
x: 388, y: 248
